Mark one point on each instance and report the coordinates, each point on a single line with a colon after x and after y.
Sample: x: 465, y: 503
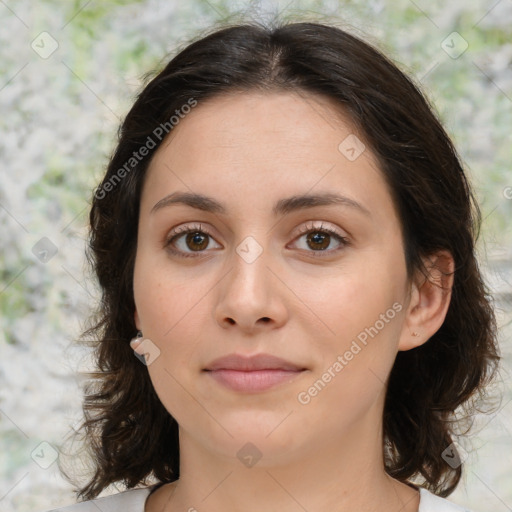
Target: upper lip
x: 251, y: 363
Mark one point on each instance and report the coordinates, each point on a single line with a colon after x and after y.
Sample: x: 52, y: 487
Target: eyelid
x: 185, y: 229
x: 322, y: 226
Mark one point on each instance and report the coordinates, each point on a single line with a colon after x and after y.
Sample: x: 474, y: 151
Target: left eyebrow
x: 282, y: 206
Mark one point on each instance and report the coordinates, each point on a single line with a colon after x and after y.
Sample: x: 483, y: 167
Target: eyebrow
x: 281, y: 207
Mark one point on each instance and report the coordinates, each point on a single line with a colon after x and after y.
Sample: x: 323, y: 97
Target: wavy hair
x: 129, y: 434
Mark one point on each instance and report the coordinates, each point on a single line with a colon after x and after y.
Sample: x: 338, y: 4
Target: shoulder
x: 132, y: 500
x: 429, y: 502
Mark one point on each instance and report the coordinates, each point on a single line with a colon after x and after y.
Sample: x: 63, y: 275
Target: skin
x: 248, y: 151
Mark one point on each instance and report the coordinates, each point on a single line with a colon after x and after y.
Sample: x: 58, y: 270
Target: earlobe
x: 430, y: 300
x: 136, y: 343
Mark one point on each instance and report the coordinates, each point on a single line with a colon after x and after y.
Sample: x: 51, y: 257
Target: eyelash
x: 179, y: 232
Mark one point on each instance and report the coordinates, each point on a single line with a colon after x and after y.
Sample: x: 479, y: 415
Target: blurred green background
x: 69, y: 72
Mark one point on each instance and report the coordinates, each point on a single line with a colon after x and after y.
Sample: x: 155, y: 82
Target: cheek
x: 174, y: 321
x: 356, y: 357
x: 358, y: 315
x: 344, y: 303
x: 167, y: 298
x: 171, y: 316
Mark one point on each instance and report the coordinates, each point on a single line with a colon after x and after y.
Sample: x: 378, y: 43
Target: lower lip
x: 256, y: 380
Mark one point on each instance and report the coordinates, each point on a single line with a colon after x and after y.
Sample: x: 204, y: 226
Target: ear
x: 137, y: 320
x: 429, y: 300
x: 136, y: 343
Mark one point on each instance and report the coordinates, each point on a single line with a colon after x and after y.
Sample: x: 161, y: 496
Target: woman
x: 286, y: 235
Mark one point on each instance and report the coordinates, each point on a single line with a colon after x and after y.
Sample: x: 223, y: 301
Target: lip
x: 252, y: 374
x: 252, y: 363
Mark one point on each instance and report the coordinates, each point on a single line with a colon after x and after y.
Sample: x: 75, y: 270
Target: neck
x: 343, y: 474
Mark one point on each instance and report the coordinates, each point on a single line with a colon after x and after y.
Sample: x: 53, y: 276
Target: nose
x: 250, y: 297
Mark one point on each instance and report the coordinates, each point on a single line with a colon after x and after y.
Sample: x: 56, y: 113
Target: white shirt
x: 134, y: 500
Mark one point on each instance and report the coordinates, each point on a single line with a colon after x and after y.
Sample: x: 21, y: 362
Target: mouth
x: 254, y: 373
x: 253, y: 380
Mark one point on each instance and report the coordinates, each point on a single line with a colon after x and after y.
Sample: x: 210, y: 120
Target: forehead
x: 254, y: 145
x: 279, y: 118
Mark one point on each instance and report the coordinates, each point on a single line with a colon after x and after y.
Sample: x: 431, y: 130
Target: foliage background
x: 58, y: 123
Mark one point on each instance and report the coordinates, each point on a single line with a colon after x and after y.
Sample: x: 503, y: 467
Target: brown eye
x: 318, y: 239
x: 188, y: 240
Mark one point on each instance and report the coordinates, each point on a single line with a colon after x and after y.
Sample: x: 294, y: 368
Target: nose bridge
x: 248, y: 293
x: 250, y: 267
x: 251, y: 250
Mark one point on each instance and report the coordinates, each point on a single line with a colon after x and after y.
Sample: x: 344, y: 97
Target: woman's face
x: 262, y: 275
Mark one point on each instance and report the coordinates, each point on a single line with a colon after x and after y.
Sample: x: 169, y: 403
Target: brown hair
x: 129, y: 433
